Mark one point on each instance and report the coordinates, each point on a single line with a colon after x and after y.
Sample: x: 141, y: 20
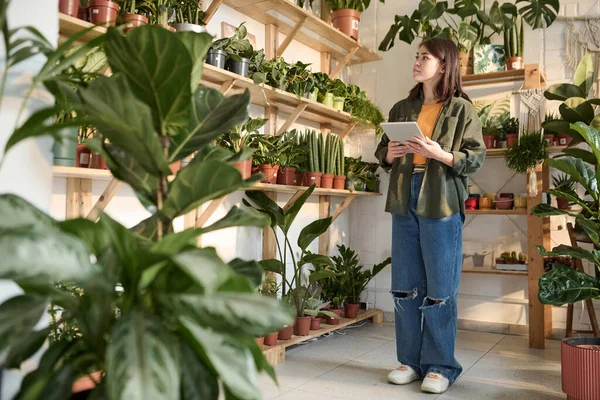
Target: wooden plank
x: 277, y: 353
x: 105, y: 198
x: 345, y: 203
x: 227, y: 86
x: 292, y: 200
x: 209, y: 211
x: 271, y: 41
x: 292, y: 118
x: 79, y: 198
x: 349, y: 129
x: 497, y: 212
x: 269, y: 245
x: 290, y: 36
x: 493, y: 272
x: 82, y: 173
x: 71, y: 25
x: 326, y: 62
x: 493, y: 77
x: 493, y: 153
x: 342, y: 63
x: 212, y: 9
x: 324, y: 212
x: 189, y: 219
x: 547, y: 243
x: 533, y: 76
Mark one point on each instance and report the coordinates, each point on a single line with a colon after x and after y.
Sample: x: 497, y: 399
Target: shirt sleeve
x: 382, y: 147
x: 471, y: 155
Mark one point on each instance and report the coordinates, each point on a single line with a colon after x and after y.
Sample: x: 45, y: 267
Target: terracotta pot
x: 98, y: 162
x: 511, y: 138
x: 351, y: 310
x: 504, y: 203
x: 563, y: 204
x: 490, y: 141
x: 103, y: 12
x: 334, y: 321
x: 285, y: 333
x: 327, y: 181
x: 311, y: 178
x: 175, y: 167
x: 339, y: 182
x: 245, y: 168
x: 254, y: 170
x: 315, y: 324
x: 471, y: 203
x: 513, y: 63
x: 260, y: 341
x: 287, y: 176
x: 562, y: 139
x: 346, y: 21
x: 485, y: 203
x: 580, y: 366
x: 132, y: 21
x: 271, y: 340
x: 466, y: 63
x: 549, y: 138
x: 298, y: 178
x: 84, y: 13
x: 270, y: 172
x: 87, y: 382
x: 302, y: 326
x: 82, y: 159
x: 69, y: 7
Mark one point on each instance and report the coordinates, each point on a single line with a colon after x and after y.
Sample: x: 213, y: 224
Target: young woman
x: 428, y: 188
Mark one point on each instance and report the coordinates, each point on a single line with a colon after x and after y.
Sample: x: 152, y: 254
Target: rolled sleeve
x: 471, y: 155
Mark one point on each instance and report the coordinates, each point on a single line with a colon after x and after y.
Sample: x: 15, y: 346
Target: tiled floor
x: 355, y: 366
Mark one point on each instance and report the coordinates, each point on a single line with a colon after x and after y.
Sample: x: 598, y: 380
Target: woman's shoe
x: 435, y: 383
x: 402, y: 375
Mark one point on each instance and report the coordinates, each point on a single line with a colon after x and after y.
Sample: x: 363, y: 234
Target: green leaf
x: 563, y: 91
x: 197, y: 45
x: 563, y: 285
x: 197, y: 381
x: 89, y: 232
x: 290, y: 215
x: 249, y: 269
x: 585, y: 75
x: 259, y: 358
x: 316, y: 259
x: 313, y: 231
x: 585, y: 155
x: 571, y: 196
x: 405, y: 27
x: 266, y: 205
x: 579, y: 171
x: 149, y: 58
x: 573, y: 251
x: 467, y: 36
x: 496, y: 21
x: 465, y: 8
x: 432, y: 10
x: 239, y: 217
x: 127, y: 247
x: 591, y: 136
x: 205, y: 267
x: 16, y: 212
x: 142, y: 360
x: 591, y: 227
x: 24, y: 347
x: 539, y: 13
x: 320, y: 275
x: 546, y: 210
x: 212, y: 115
x: 584, y: 112
x: 18, y: 316
x: 272, y: 265
x: 232, y: 361
x: 173, y: 243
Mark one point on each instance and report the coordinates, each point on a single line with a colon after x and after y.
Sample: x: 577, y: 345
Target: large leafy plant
x: 158, y: 316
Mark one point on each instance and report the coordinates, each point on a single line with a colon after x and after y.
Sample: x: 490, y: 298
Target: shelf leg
x: 292, y: 118
x: 347, y: 201
x: 324, y: 212
x: 79, y: 197
x: 290, y: 36
x: 105, y: 198
x: 212, y: 9
x: 342, y: 63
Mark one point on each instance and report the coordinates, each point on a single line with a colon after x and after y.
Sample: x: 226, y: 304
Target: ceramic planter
x: 485, y: 203
x: 103, y: 12
x: 328, y: 100
x: 315, y: 324
x: 580, y: 366
x: 65, y: 152
x: 271, y: 340
x: 298, y: 178
x: 287, y: 176
x: 327, y: 181
x: 504, y: 203
x: 216, y: 58
x: 239, y: 67
x: 313, y: 96
x: 490, y: 141
x: 471, y: 203
x: 98, y: 162
x: 549, y: 138
x: 285, y: 333
x: 270, y: 172
x: 488, y: 58
x: 338, y: 103
x: 334, y: 321
x: 478, y: 260
x: 346, y: 21
x: 339, y: 182
x: 84, y: 13
x: 132, y: 21
x: 513, y: 63
x: 302, y: 326
x: 511, y: 138
x: 562, y: 140
x: 351, y: 310
x: 69, y: 7
x: 245, y: 168
x: 311, y: 178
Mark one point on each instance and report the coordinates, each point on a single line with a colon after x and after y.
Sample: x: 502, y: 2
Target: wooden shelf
x: 496, y: 212
x: 494, y: 272
x: 81, y: 173
x: 276, y: 354
x: 531, y: 71
x: 315, y: 33
x: 69, y: 26
x: 495, y: 153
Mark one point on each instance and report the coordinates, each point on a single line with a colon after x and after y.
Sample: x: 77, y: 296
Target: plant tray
x: 512, y: 267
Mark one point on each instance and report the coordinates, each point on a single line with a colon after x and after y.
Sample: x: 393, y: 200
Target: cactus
x: 513, y: 256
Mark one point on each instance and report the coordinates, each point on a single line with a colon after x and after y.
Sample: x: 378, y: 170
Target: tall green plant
x: 159, y: 317
x: 189, y: 12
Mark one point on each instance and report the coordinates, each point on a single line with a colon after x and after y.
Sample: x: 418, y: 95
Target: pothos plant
x: 237, y: 46
x: 158, y: 316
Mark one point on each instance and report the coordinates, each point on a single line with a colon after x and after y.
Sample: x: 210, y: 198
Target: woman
x: 428, y: 188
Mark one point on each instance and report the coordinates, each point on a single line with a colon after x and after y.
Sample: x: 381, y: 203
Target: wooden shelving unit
x: 531, y: 75
x: 493, y: 272
x: 69, y: 26
x: 497, y: 153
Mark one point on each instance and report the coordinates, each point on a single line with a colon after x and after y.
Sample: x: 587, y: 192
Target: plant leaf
x: 564, y: 91
x: 89, y: 232
x: 197, y: 45
x: 585, y: 155
x: 573, y: 251
x: 249, y: 269
x: 539, y: 13
x: 581, y: 172
x: 26, y: 346
x: 591, y: 136
x: 197, y: 381
x: 320, y: 275
x: 563, y: 285
x: 585, y: 75
x: 18, y: 316
x: 205, y: 267
x: 267, y: 205
x: 16, y: 212
x: 313, y: 231
x: 239, y: 217
x: 290, y: 215
x: 272, y: 265
x: 316, y: 259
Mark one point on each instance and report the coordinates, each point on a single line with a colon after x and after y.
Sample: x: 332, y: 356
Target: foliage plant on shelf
x: 358, y: 5
x: 524, y: 156
x: 360, y: 174
x: 562, y: 285
x: 294, y: 154
x: 514, y: 39
x: 237, y: 46
x: 189, y: 12
x: 158, y: 316
x: 243, y: 138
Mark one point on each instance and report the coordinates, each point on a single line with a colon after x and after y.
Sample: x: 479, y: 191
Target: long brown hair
x: 451, y: 83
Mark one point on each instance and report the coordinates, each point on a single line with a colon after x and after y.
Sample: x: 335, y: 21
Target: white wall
x: 494, y: 299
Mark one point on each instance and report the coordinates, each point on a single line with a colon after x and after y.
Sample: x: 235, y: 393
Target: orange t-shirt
x: 426, y: 121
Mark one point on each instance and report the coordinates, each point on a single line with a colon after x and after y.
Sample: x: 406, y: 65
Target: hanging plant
x: 524, y: 156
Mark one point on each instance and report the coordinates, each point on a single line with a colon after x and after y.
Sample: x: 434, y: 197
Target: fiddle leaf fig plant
x: 157, y: 317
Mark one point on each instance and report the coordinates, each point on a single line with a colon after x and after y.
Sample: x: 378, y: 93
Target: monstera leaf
x: 539, y: 13
x: 407, y: 28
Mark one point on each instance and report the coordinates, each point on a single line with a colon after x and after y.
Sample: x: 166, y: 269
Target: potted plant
x: 564, y: 184
x: 103, y: 12
x: 268, y: 157
x: 132, y: 15
x: 293, y: 153
x: 189, y: 17
x: 331, y: 159
x: 315, y: 308
x: 294, y: 288
x: 238, y: 50
x: 514, y: 43
x: 339, y: 178
x: 524, y: 156
x: 559, y: 137
x: 360, y: 175
x: 270, y: 288
x: 316, y: 158
x: 510, y: 126
x: 479, y: 258
x: 300, y: 80
x: 243, y: 140
x: 338, y: 90
x: 322, y: 83
x: 345, y: 15
x: 362, y: 110
x: 140, y: 285
x: 69, y: 7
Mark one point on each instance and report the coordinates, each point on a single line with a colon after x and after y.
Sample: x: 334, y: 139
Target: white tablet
x: 402, y: 131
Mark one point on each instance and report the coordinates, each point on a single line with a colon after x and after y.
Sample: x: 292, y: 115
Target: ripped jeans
x: 426, y: 266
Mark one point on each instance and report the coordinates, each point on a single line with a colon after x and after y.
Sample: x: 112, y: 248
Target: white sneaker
x: 402, y: 375
x: 435, y: 383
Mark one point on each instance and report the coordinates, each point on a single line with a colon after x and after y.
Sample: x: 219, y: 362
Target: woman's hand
x: 430, y: 149
x: 395, y: 150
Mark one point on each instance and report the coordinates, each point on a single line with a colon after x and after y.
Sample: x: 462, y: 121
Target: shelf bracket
x: 209, y: 211
x: 345, y: 203
x: 348, y: 129
x: 290, y: 36
x: 342, y: 63
x: 105, y: 198
x: 227, y: 86
x: 292, y: 200
x: 292, y: 118
x: 212, y: 9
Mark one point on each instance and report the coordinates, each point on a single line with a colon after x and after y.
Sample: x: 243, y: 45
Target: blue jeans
x: 426, y: 267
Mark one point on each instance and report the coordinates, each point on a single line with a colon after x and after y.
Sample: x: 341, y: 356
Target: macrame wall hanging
x: 532, y: 112
x: 582, y: 38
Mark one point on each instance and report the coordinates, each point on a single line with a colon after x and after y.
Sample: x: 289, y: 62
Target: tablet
x: 402, y: 131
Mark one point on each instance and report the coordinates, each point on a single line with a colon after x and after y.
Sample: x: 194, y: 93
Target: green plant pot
x: 338, y: 103
x: 313, y: 96
x: 328, y: 100
x: 65, y: 153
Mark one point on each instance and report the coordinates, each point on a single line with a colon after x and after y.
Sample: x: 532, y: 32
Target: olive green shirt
x: 444, y: 189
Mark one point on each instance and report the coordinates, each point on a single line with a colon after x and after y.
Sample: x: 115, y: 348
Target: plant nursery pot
x: 328, y: 100
x: 103, y: 12
x: 549, y: 138
x: 65, y: 152
x: 478, y: 261
x: 490, y: 141
x: 313, y: 96
x: 175, y: 167
x: 245, y: 168
x: 270, y: 172
x: 513, y: 63
x: 338, y: 103
x: 287, y: 176
x: 285, y: 333
x: 580, y: 366
x: 563, y: 204
x: 471, y: 203
x: 520, y: 202
x: 511, y: 138
x: 351, y: 310
x: 132, y: 21
x: 315, y: 324
x: 334, y: 321
x: 302, y: 326
x: 466, y: 63
x: 216, y: 58
x: 562, y: 139
x: 346, y: 21
x: 83, y: 13
x: 83, y: 156
x: 254, y: 170
x: 69, y: 7
x: 189, y: 28
x: 504, y: 203
x: 311, y: 178
x: 339, y: 182
x: 485, y: 203
x: 327, y: 181
x: 98, y: 162
x: 260, y: 341
x: 239, y: 67
x: 298, y: 177
x: 87, y: 382
x: 271, y: 340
